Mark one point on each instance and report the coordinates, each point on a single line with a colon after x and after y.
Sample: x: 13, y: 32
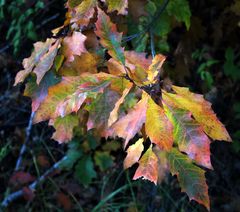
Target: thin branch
x: 152, y: 44
x: 11, y: 197
x: 24, y: 146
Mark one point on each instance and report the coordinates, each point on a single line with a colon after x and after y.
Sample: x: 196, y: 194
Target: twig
x: 11, y: 197
x: 152, y: 44
x: 24, y: 146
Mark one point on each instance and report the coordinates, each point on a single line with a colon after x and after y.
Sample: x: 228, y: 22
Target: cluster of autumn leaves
x: 73, y: 85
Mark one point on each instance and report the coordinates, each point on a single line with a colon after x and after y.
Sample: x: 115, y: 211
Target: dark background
x: 214, y: 35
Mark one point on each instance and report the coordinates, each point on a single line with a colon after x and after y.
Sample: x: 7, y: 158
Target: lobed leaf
x: 191, y: 178
x: 64, y: 128
x: 117, y: 5
x: 109, y: 37
x: 148, y: 167
x: 201, y: 110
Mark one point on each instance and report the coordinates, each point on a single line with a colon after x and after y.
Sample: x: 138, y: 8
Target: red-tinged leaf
x: 86, y: 62
x: 155, y: 67
x: 191, y: 178
x: 59, y: 92
x: 158, y: 127
x: 28, y: 193
x: 189, y: 136
x: 39, y: 92
x: 46, y: 61
x: 114, y: 113
x: 148, y: 167
x: 65, y: 201
x: 21, y: 178
x: 202, y: 112
x: 109, y: 37
x: 117, y: 5
x: 73, y: 102
x: 115, y: 68
x: 74, y: 45
x: 82, y: 13
x: 138, y: 65
x: 133, y: 153
x: 64, y: 128
x: 99, y: 111
x: 40, y: 49
x: 128, y: 126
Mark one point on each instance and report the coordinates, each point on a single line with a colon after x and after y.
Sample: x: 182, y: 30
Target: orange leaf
x: 40, y: 49
x: 128, y: 126
x: 64, y: 128
x: 148, y: 167
x: 158, y: 127
x: 133, y: 153
x: 73, y: 45
x: 201, y: 110
x: 114, y: 113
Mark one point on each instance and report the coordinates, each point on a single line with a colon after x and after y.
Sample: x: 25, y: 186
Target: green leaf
x: 103, y: 160
x: 84, y: 171
x: 191, y: 178
x: 181, y: 10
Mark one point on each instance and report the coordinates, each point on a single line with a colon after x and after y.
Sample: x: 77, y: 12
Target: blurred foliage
x: 21, y: 24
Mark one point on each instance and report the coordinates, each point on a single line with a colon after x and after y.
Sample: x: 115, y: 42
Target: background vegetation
x: 202, y: 48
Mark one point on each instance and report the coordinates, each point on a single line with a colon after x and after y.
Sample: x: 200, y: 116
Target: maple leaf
x: 80, y: 13
x: 99, y: 111
x: 73, y: 45
x: 109, y: 37
x: 157, y: 126
x: 60, y: 92
x: 40, y: 60
x: 39, y: 92
x: 118, y: 5
x: 191, y: 178
x: 201, y: 110
x: 86, y: 62
x: 64, y: 128
x: 189, y: 136
x: 148, y: 167
x: 73, y: 102
x: 128, y: 126
x: 133, y: 153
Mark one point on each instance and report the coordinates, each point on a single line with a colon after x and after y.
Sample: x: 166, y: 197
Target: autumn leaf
x: 100, y: 110
x: 201, y: 110
x: 109, y: 37
x: 158, y: 127
x: 129, y: 125
x: 73, y: 45
x: 80, y: 13
x: 46, y: 61
x: 148, y: 167
x: 64, y: 128
x: 133, y: 153
x: 155, y: 67
x: 39, y: 92
x: 59, y: 92
x: 191, y: 178
x: 189, y: 136
x: 117, y: 5
x: 86, y: 62
x: 40, y: 49
x: 73, y: 102
x: 114, y: 113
